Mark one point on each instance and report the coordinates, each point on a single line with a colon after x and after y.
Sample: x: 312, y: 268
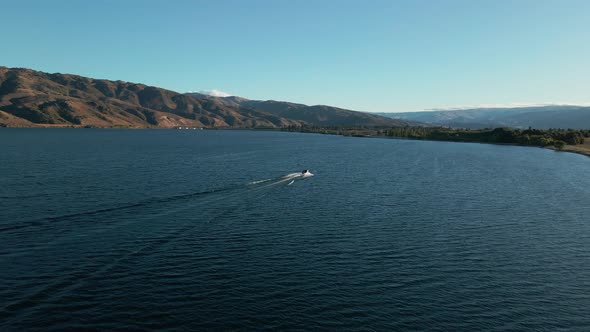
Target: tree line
x: 534, y: 137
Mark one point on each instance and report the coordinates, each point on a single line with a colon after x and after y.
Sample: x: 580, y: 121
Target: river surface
x: 201, y: 230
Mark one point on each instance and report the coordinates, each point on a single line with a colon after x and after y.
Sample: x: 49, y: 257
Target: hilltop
x: 318, y: 115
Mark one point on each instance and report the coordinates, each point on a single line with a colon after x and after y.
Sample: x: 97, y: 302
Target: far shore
x: 583, y: 149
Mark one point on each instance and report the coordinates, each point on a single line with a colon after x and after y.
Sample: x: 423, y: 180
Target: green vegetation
x: 533, y: 137
x: 337, y: 130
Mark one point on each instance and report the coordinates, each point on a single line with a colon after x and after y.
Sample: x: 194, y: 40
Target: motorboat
x: 306, y: 173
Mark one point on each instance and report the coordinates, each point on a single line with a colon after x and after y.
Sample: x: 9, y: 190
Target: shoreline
x: 573, y: 149
x: 577, y: 149
x: 568, y: 148
x: 582, y: 149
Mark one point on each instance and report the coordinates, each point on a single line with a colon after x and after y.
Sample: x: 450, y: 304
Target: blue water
x: 187, y: 230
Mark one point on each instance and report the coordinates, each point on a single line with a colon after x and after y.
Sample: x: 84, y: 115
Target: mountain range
x: 30, y: 98
x: 539, y: 117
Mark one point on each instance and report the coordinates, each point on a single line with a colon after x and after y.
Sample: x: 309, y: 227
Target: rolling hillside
x: 30, y: 98
x: 319, y: 115
x: 33, y: 98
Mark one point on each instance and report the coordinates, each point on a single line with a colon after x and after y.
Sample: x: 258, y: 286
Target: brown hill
x: 33, y: 98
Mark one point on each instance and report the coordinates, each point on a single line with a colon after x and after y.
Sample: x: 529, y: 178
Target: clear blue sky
x: 376, y: 56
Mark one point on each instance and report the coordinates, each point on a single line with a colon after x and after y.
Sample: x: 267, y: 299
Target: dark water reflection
x: 161, y: 229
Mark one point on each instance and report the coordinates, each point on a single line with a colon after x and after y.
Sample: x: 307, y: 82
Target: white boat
x: 305, y: 173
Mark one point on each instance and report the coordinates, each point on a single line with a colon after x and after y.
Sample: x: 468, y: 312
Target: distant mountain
x: 319, y: 115
x: 541, y: 117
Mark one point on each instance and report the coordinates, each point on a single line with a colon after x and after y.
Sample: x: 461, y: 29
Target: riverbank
x: 554, y: 139
x: 583, y: 149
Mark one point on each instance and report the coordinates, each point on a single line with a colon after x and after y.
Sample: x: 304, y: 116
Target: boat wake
x: 136, y: 230
x: 206, y: 196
